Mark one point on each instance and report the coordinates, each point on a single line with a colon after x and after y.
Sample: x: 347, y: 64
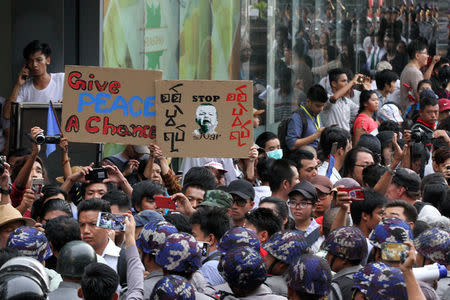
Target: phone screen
x: 36, y: 186
x: 357, y: 194
x: 111, y: 221
x: 394, y: 251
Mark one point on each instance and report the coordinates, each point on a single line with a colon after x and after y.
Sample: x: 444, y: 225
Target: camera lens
x: 40, y: 139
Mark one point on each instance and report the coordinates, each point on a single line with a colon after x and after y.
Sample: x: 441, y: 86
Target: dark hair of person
x: 444, y: 124
x: 55, y: 204
x: 61, y: 230
x: 7, y: 253
x: 99, y: 282
x: 372, y: 200
x: 192, y: 185
x: 281, y: 170
x: 42, y: 206
x: 364, y: 98
x: 385, y: 77
x: 444, y: 76
x: 419, y: 227
x: 414, y: 47
x: 445, y: 207
x: 332, y: 135
x: 297, y: 155
x: 119, y: 198
x: 181, y: 222
x: 443, y: 60
x: 419, y: 153
x: 34, y: 47
x: 427, y: 101
x: 212, y: 220
x: 95, y: 204
x: 389, y: 125
x: 281, y: 207
x: 409, y: 210
x: 372, y: 174
x: 201, y: 176
x: 20, y: 162
x: 350, y: 160
x: 264, y: 219
x: 441, y: 155
x: 433, y: 178
x: 306, y: 296
x: 145, y: 189
x: 435, y: 193
x: 264, y: 167
x: 334, y: 74
x: 264, y: 137
x: 422, y: 82
x: 317, y: 93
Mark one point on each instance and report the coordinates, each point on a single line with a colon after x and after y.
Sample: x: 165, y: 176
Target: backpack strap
x: 304, y: 119
x: 214, y: 256
x: 312, y: 237
x: 336, y: 293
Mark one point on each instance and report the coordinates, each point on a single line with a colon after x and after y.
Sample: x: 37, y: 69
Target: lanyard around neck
x: 317, y: 124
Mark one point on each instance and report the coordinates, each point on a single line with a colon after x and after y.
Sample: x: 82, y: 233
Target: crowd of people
x: 348, y: 200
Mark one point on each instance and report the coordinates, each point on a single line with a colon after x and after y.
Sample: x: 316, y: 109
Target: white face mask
x: 275, y: 154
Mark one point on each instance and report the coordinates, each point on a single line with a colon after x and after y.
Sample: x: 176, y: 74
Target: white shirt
x: 111, y: 254
x: 261, y: 192
x: 339, y: 113
x: 322, y: 170
x: 53, y: 91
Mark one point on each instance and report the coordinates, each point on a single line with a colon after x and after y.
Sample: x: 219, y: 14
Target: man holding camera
x: 425, y: 125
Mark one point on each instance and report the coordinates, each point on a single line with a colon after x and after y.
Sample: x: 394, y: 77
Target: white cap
x: 215, y: 165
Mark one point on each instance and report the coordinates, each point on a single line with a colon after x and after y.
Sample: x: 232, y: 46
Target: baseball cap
x: 408, y: 179
x: 241, y: 188
x: 428, y: 94
x: 306, y: 189
x: 147, y: 216
x: 322, y: 183
x: 217, y: 198
x: 215, y: 165
x: 141, y: 149
x: 444, y: 104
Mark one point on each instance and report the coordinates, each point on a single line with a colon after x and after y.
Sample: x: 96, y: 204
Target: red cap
x: 444, y: 104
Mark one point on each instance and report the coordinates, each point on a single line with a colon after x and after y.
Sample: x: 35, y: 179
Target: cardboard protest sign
x: 108, y: 105
x: 204, y: 118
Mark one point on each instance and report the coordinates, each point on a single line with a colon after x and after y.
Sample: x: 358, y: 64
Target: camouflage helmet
x: 309, y: 274
x: 153, y: 236
x: 243, y: 268
x: 286, y: 245
x: 217, y: 198
x: 391, y: 230
x: 173, y: 287
x: 379, y: 281
x: 31, y: 242
x: 346, y: 242
x: 238, y: 236
x: 180, y: 253
x: 74, y: 257
x: 434, y: 244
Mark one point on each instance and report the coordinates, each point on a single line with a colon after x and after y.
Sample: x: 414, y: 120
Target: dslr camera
x: 419, y: 135
x: 47, y: 139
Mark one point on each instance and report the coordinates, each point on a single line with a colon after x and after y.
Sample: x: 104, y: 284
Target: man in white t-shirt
x: 34, y: 83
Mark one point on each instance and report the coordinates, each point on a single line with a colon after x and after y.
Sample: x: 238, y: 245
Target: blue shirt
x: 295, y: 129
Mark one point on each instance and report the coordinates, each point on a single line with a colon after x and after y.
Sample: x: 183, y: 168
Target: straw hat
x: 74, y: 170
x: 10, y: 214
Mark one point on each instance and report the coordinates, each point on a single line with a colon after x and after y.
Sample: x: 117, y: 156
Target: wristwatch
x: 5, y: 192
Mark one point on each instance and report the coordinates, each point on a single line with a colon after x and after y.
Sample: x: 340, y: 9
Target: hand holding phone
x: 96, y: 175
x: 108, y: 220
x: 36, y: 186
x: 165, y: 202
x: 394, y: 252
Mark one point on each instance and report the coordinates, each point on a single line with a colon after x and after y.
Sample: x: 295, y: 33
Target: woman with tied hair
x: 368, y: 105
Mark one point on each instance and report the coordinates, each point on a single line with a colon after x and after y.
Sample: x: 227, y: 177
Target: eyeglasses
x: 301, y: 204
x: 364, y: 166
x: 239, y: 202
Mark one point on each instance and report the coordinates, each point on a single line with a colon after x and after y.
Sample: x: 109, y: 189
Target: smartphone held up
x: 108, y: 220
